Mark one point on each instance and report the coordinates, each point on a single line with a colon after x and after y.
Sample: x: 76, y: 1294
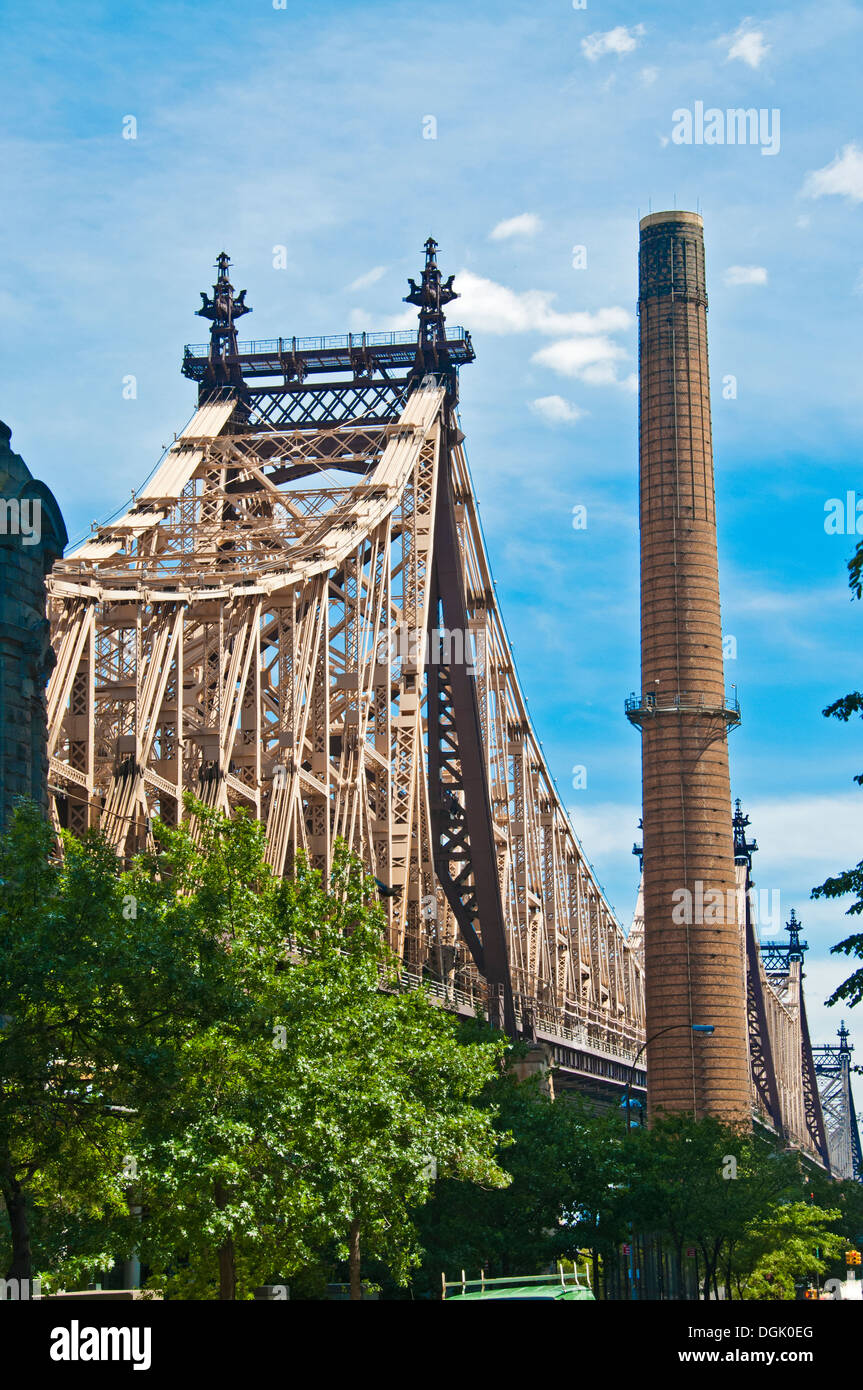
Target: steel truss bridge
x: 296, y: 616
x: 833, y: 1069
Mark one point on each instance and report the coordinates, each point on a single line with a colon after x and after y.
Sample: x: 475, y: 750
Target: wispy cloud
x: 747, y: 45
x: 494, y: 308
x: 606, y: 826
x: 485, y: 306
x: 556, y: 411
x: 745, y: 275
x: 815, y: 835
x: 526, y: 224
x: 584, y: 348
x: 844, y: 176
x: 787, y: 602
x: 592, y: 359
x: 361, y: 321
x: 371, y: 277
x: 619, y: 40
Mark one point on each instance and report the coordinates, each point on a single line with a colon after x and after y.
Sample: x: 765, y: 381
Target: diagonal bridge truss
x: 296, y: 615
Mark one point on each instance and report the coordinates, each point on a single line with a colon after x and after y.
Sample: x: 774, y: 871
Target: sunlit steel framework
x: 782, y: 1072
x: 296, y: 616
x: 833, y: 1070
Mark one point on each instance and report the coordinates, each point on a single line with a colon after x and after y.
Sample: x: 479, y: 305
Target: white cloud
x: 747, y: 45
x: 809, y: 838
x: 788, y: 602
x: 526, y: 224
x: 592, y: 359
x: 802, y: 840
x: 604, y: 827
x: 371, y: 277
x: 556, y: 411
x: 745, y: 275
x: 843, y: 177
x: 584, y: 348
x: 360, y: 321
x: 649, y: 76
x: 822, y: 977
x: 492, y: 308
x: 619, y: 40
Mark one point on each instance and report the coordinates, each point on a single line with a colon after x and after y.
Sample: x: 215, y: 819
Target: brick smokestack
x: 694, y: 970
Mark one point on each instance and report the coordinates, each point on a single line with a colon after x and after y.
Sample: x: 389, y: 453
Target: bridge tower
x: 694, y: 964
x: 296, y: 616
x: 833, y: 1069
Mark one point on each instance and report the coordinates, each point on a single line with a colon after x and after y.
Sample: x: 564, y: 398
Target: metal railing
x: 682, y: 700
x: 339, y: 342
x: 592, y: 1033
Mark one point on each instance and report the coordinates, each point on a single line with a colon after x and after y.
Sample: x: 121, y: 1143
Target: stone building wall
x: 32, y: 537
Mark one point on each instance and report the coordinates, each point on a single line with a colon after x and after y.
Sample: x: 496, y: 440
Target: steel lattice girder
x: 833, y: 1071
x: 781, y: 1071
x: 259, y: 640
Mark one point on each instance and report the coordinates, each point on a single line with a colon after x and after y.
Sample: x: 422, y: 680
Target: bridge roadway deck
x: 585, y: 1064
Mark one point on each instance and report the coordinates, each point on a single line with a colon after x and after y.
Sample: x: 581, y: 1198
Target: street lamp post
x: 693, y: 1027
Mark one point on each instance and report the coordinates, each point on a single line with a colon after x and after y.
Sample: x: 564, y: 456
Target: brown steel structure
x: 694, y: 969
x: 833, y: 1069
x: 783, y: 1077
x: 296, y: 616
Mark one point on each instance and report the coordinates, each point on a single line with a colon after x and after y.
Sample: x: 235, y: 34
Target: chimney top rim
x: 687, y: 219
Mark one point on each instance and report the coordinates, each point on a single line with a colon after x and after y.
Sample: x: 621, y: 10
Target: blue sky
x: 304, y: 127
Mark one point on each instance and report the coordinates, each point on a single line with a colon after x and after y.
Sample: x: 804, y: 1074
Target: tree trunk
x: 227, y: 1263
x: 354, y: 1260
x: 19, y: 1225
x: 227, y: 1271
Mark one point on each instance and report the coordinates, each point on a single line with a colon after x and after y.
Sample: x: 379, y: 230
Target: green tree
x: 791, y: 1241
x: 702, y: 1182
x: 565, y: 1165
x: 216, y: 1181
x: 321, y: 1100
x: 89, y: 1002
